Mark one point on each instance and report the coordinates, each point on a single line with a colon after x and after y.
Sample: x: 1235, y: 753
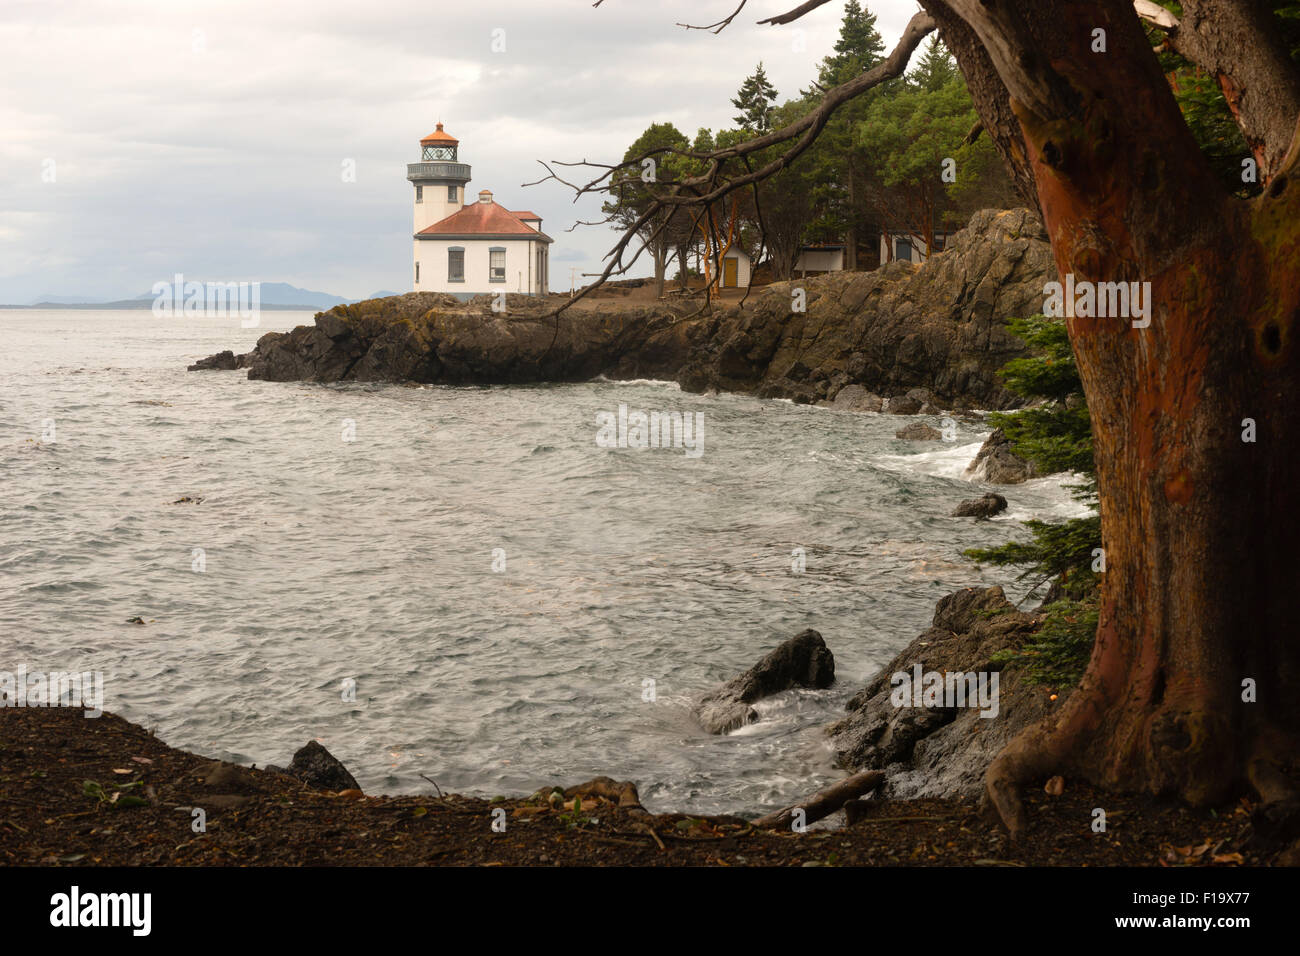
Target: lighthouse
x: 471, y: 248
x: 438, y: 177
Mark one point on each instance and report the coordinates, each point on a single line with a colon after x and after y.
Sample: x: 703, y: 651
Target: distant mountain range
x: 274, y: 295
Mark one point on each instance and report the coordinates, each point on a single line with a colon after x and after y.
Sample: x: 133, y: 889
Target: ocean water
x: 514, y: 605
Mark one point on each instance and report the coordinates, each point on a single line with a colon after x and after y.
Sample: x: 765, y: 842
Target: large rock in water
x: 943, y: 751
x: 940, y: 324
x: 985, y: 507
x: 317, y: 767
x: 998, y: 464
x: 802, y: 661
x: 937, y: 326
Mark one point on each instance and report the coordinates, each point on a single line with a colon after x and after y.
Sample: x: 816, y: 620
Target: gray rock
x: 940, y: 325
x: 317, y: 767
x: 903, y: 405
x: 222, y: 361
x: 919, y: 431
x: 997, y: 464
x: 985, y: 507
x: 802, y: 661
x: 944, y: 751
x: 855, y: 398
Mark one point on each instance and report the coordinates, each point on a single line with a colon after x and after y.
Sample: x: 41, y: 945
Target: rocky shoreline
x: 65, y: 804
x: 858, y: 341
x: 904, y: 340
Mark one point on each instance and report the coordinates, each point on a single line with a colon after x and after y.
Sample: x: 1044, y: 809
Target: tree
x: 784, y: 208
x: 755, y: 97
x: 913, y: 136
x: 935, y: 70
x: 859, y: 45
x: 1185, y: 617
x: 840, y: 172
x: 1194, y: 393
x: 631, y: 194
x: 1055, y: 435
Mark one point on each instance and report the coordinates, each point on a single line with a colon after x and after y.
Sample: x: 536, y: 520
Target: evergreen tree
x: 936, y: 68
x: 753, y: 100
x: 1055, y: 436
x: 837, y: 166
x: 858, y: 48
x: 633, y: 190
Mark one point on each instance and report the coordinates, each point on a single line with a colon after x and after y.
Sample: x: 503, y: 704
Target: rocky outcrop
x: 985, y: 507
x: 998, y: 464
x: 937, y: 327
x: 426, y: 337
x: 222, y: 361
x: 317, y: 767
x: 802, y: 661
x: 939, y: 324
x: 939, y: 750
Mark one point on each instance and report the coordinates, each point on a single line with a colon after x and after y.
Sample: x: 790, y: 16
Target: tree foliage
x: 1055, y: 435
x: 754, y: 100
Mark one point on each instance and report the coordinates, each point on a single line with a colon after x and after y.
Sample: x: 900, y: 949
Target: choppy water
x: 373, y: 560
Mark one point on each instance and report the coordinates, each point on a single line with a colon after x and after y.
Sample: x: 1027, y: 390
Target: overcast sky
x: 209, y: 138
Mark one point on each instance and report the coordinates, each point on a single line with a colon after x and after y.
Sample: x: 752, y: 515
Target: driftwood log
x: 824, y: 802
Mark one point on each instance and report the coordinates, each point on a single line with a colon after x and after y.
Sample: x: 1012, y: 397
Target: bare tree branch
x: 796, y: 13
x: 708, y: 187
x: 1239, y: 44
x: 721, y: 24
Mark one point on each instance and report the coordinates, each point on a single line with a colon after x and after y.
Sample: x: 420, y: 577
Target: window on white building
x: 417, y: 273
x: 497, y: 264
x: 451, y: 194
x: 902, y: 250
x: 456, y: 265
x: 419, y: 193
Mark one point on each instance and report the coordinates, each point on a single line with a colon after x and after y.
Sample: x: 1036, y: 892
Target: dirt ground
x: 60, y: 772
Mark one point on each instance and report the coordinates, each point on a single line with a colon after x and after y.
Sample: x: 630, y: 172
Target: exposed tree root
x: 1277, y: 819
x: 1037, y: 752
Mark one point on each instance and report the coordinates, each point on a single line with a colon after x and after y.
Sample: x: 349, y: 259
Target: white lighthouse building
x: 470, y: 248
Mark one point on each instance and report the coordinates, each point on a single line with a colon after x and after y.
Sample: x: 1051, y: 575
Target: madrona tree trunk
x: 1201, y: 528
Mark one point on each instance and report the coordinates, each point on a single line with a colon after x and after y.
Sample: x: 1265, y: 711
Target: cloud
x: 209, y: 138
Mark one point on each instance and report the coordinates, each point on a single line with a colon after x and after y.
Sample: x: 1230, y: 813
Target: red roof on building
x: 480, y: 217
x: 439, y: 137
x: 525, y: 214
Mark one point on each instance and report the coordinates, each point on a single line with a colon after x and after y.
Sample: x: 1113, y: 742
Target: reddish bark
x: 1201, y: 529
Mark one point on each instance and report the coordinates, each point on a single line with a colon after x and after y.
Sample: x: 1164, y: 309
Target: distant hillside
x: 273, y: 295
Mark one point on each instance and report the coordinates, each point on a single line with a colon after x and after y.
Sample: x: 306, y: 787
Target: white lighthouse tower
x: 438, y: 178
x: 468, y: 250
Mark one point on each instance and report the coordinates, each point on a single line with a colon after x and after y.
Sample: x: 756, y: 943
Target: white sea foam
x: 948, y: 460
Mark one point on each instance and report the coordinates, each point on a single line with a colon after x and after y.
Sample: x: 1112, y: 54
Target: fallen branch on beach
x: 824, y: 802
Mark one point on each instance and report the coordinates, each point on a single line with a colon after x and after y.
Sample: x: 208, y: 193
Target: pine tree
x: 753, y: 100
x: 935, y: 69
x: 858, y: 48
x: 1055, y: 436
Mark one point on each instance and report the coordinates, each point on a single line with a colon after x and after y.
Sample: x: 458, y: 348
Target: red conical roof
x: 439, y: 138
